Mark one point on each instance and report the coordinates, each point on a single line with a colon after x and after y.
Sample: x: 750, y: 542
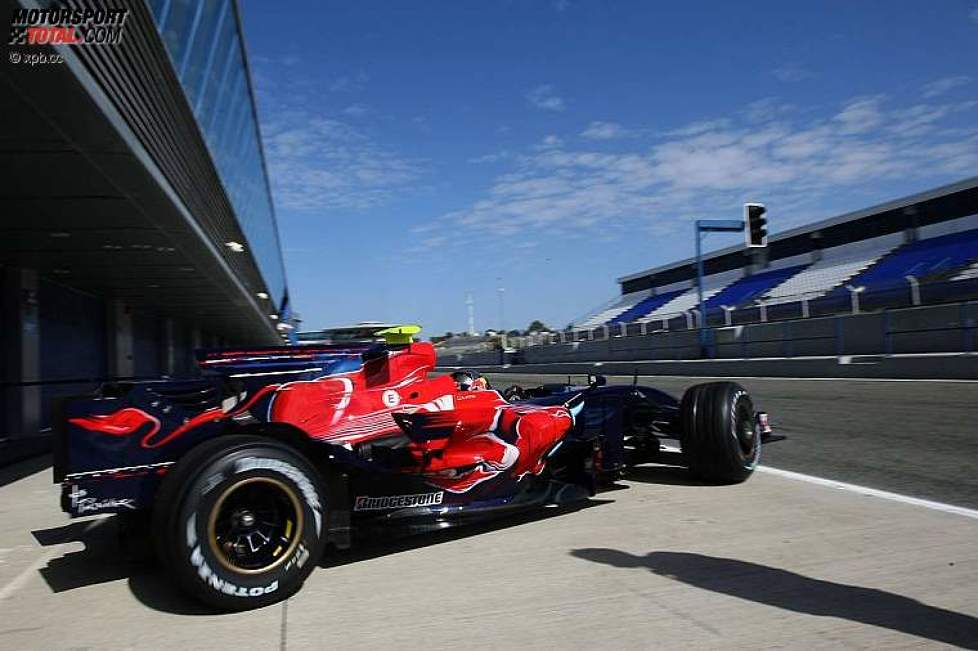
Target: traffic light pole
x: 702, y: 227
x: 699, y: 286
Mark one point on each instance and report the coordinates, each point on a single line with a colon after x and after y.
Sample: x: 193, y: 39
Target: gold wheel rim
x: 293, y: 528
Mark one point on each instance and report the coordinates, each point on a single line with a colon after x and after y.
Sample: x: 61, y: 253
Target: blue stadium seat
x: 602, y: 315
x: 645, y: 306
x: 749, y: 288
x: 922, y: 259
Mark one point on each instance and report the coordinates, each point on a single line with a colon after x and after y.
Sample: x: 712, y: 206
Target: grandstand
x: 688, y: 300
x: 646, y: 306
x: 835, y: 269
x: 968, y: 274
x: 613, y: 309
x: 922, y: 248
x: 929, y: 259
x: 751, y: 288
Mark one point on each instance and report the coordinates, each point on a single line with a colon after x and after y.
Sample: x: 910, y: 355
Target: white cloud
x: 318, y: 164
x: 700, y: 127
x: 860, y: 115
x: 604, y: 131
x: 349, y: 83
x: 550, y: 142
x: 494, y: 157
x: 767, y: 109
x: 802, y: 145
x: 959, y: 157
x: 941, y: 86
x: 791, y: 73
x: 545, y: 98
x: 706, y: 169
x: 921, y: 119
x: 974, y: 15
x: 356, y: 110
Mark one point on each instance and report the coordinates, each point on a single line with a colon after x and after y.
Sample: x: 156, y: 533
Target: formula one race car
x: 247, y: 472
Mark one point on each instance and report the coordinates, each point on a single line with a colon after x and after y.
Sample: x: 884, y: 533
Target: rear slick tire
x: 719, y: 437
x: 240, y: 522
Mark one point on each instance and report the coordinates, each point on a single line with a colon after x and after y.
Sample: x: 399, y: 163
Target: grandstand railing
x: 910, y: 292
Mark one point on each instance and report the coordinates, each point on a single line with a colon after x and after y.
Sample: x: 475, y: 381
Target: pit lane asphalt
x: 914, y: 438
x: 658, y: 563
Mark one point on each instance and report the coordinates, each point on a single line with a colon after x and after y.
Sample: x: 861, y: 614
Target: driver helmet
x: 469, y: 381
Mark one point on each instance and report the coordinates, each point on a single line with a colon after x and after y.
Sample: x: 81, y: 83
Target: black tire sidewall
x: 739, y: 397
x: 711, y: 414
x: 749, y: 461
x: 197, y: 567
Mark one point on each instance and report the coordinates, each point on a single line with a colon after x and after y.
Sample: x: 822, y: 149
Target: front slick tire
x: 719, y: 439
x: 240, y: 522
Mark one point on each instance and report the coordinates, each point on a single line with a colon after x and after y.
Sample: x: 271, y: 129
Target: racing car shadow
x: 156, y: 590
x: 375, y: 547
x: 661, y: 474
x: 798, y: 593
x: 103, y: 559
x: 98, y: 561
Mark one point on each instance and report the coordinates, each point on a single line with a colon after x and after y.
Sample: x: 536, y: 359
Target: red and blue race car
x: 243, y: 475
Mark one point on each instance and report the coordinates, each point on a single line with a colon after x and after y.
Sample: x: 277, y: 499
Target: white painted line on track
x: 796, y: 379
x: 855, y: 488
x: 21, y: 579
x: 18, y: 582
x: 872, y: 492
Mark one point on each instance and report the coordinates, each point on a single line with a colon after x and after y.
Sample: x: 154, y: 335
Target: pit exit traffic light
x: 755, y: 221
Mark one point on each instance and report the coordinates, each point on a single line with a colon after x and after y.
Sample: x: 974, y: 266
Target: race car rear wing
x: 328, y: 358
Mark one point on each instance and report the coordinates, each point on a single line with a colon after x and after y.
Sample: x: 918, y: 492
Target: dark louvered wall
x: 138, y: 78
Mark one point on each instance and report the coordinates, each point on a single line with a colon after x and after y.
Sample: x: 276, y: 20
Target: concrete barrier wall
x: 470, y: 359
x: 929, y: 329
x: 937, y: 329
x: 958, y: 366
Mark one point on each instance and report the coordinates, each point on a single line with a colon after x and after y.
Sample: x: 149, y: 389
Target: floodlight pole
x: 702, y: 227
x: 502, y: 326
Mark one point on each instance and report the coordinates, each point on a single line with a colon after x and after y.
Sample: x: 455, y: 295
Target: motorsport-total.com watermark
x: 65, y: 25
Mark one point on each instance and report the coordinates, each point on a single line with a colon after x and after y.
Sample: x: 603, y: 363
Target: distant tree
x: 513, y: 333
x: 537, y: 326
x: 449, y: 335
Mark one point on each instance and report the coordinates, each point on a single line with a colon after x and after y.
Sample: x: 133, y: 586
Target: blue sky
x: 421, y: 151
